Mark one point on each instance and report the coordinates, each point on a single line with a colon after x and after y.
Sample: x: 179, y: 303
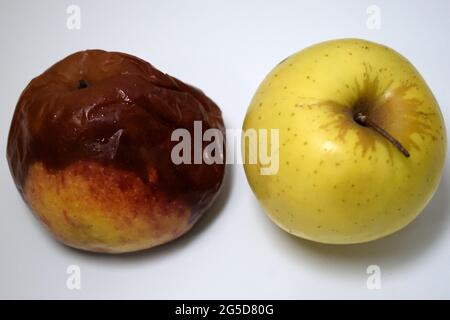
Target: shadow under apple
x: 394, y: 251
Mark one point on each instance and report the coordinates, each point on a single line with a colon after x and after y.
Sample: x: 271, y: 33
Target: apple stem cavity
x: 363, y: 120
x: 82, y: 84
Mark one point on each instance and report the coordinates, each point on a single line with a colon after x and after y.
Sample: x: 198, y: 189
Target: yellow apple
x: 362, y: 142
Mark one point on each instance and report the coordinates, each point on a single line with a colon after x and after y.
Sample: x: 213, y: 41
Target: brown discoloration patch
x: 123, y: 116
x: 87, y: 206
x: 388, y: 106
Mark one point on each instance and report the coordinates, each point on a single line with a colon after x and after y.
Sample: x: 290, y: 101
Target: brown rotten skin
x: 90, y: 152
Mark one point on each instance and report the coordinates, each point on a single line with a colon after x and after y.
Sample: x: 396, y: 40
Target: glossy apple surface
x: 90, y: 152
x: 341, y: 181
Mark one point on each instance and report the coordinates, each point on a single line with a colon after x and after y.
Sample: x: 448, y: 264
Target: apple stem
x: 82, y: 84
x: 363, y: 120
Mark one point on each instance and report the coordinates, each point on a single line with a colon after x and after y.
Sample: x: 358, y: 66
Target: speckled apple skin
x: 340, y: 182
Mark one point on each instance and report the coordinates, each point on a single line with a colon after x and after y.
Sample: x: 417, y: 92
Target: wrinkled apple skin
x: 90, y: 152
x: 340, y: 182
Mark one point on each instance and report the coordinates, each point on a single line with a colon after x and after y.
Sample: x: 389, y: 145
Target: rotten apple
x: 90, y: 146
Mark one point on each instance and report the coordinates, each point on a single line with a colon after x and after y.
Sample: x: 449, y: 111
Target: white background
x: 225, y: 48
